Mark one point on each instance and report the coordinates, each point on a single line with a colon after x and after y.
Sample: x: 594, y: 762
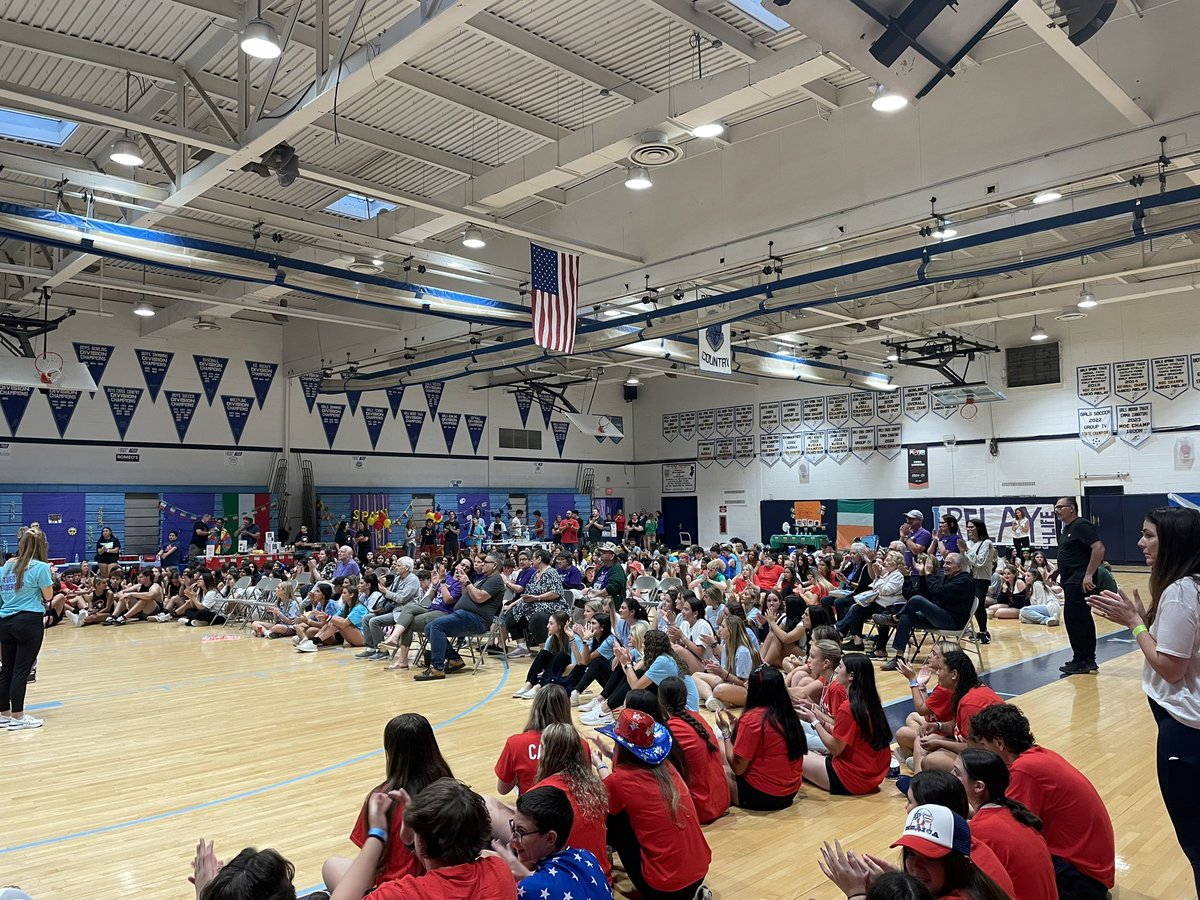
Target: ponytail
x: 988, y: 768
x: 672, y: 693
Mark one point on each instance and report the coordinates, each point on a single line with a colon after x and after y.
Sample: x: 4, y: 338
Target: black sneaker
x: 984, y: 637
x: 891, y: 666
x: 1079, y: 668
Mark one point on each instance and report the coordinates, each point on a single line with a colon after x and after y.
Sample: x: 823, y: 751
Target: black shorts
x: 835, y: 784
x: 750, y: 797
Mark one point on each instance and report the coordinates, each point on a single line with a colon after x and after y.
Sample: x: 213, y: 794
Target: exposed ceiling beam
x: 683, y: 12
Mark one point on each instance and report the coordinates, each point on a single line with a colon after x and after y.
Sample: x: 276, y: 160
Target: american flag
x: 554, y: 287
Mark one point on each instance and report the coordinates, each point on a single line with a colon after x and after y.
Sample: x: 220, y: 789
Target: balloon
x: 379, y: 524
x: 387, y: 523
x: 438, y: 518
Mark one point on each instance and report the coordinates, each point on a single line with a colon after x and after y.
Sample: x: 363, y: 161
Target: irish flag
x: 855, y: 520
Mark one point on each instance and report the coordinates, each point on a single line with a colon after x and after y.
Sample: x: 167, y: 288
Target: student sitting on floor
x: 518, y: 762
x: 940, y: 742
x: 344, y: 626
x: 262, y: 874
x: 810, y: 682
x: 552, y: 661
x: 928, y: 706
x: 786, y: 630
x: 702, y: 755
x: 722, y: 685
x: 284, y: 613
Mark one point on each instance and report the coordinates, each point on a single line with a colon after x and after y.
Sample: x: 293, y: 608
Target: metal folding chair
x: 957, y: 635
x: 649, y: 585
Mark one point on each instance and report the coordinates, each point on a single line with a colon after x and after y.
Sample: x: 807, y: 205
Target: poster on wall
x: 414, y: 421
x: 373, y: 418
x: 768, y: 416
x: 237, y: 412
x: 1169, y: 376
x: 62, y: 408
x: 743, y: 419
x: 211, y: 370
x: 1134, y: 423
x: 814, y: 446
x: 262, y: 376
x: 814, y: 413
x: 670, y: 426
x: 449, y: 423
x: 743, y: 449
x: 1131, y: 379
x: 838, y: 445
x: 862, y: 441
x: 310, y: 386
x: 862, y: 407
x: 559, y: 430
x: 725, y: 420
x: 524, y: 399
x: 679, y: 478
x: 791, y: 448
x: 716, y: 349
x: 1093, y: 384
x: 395, y: 395
x: 706, y: 453
x: 331, y: 419
x: 95, y: 357
x: 723, y: 451
x: 182, y: 405
x: 999, y: 518
x: 791, y: 415
x: 14, y: 401
x: 475, y: 426
x: 915, y: 400
x: 154, y: 365
x: 768, y: 449
x: 887, y: 441
x: 687, y: 425
x: 918, y: 467
x: 433, y: 395
x: 887, y: 406
x: 122, y: 403
x: 944, y: 410
x: 837, y: 409
x: 706, y: 422
x: 1096, y: 427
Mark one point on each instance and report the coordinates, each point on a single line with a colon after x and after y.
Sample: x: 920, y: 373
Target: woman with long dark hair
x: 595, y: 658
x: 517, y: 765
x: 785, y: 631
x: 981, y: 557
x: 705, y: 762
x: 940, y: 742
x: 414, y: 761
x: 26, y: 585
x: 854, y: 729
x: 1168, y: 634
x: 764, y: 748
x: 1020, y: 526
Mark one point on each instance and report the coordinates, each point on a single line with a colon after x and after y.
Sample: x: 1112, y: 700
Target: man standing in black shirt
x: 1080, y: 553
x: 200, y: 531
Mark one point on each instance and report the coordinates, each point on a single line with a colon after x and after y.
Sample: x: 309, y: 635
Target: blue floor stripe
x: 49, y: 704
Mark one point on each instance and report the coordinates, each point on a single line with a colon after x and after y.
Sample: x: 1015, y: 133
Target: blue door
x: 679, y: 514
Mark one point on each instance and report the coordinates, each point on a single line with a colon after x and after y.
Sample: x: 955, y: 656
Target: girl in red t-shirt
x: 765, y: 747
x: 566, y: 764
x: 414, y: 762
x: 928, y: 706
x: 941, y: 742
x: 705, y: 774
x: 855, y: 731
x: 518, y: 762
x: 806, y: 683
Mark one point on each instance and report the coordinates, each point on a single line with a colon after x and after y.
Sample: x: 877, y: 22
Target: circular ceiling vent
x: 364, y: 267
x: 204, y: 323
x: 653, y: 149
x: 1070, y: 315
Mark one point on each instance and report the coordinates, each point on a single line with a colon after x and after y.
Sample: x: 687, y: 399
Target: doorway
x: 1104, y: 507
x: 679, y: 514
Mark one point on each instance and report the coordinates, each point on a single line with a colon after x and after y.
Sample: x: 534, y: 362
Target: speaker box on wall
x: 630, y: 392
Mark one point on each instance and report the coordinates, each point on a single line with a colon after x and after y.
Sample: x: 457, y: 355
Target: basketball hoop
x: 49, y: 366
x: 969, y: 409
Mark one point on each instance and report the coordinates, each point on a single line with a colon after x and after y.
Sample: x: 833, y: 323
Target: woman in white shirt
x: 1168, y: 634
x: 692, y: 637
x: 981, y: 556
x: 883, y: 600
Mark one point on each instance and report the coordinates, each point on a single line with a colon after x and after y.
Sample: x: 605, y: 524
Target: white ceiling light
x: 1087, y: 300
x: 473, y: 238
x: 1038, y: 333
x: 638, y: 179
x: 1047, y: 197
x: 888, y: 101
x: 261, y: 40
x: 708, y: 130
x: 143, y: 308
x: 944, y: 231
x: 126, y: 152
x: 893, y: 355
x: 633, y: 380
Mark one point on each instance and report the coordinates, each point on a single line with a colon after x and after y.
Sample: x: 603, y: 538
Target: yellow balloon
x: 387, y: 523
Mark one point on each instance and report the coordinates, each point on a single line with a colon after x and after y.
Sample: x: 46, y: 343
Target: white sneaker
x: 5, y: 721
x: 520, y: 692
x: 26, y: 721
x: 296, y: 641
x: 714, y: 704
x: 306, y: 647
x: 575, y: 699
x: 597, y: 717
x: 163, y: 617
x: 519, y: 652
x: 1053, y: 608
x: 76, y: 618
x: 590, y: 705
x: 530, y: 693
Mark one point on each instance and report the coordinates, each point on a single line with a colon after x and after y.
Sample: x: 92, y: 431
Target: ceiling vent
x: 363, y: 267
x: 1070, y: 315
x: 204, y: 323
x: 653, y: 149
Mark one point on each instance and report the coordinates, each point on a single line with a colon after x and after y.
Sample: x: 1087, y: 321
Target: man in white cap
x: 915, y: 535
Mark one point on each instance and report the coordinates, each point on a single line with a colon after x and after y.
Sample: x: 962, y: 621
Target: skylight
x: 356, y: 206
x: 23, y: 126
x: 756, y: 10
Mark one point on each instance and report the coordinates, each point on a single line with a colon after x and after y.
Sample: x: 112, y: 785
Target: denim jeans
x: 457, y: 624
x: 920, y: 613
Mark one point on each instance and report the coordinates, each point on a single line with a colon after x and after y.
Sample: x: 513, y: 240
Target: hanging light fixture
x: 893, y: 355
x: 633, y: 380
x: 1038, y: 333
x: 1047, y: 197
x: 888, y: 101
x: 260, y: 39
x: 638, y: 179
x: 1087, y: 300
x: 473, y: 238
x: 143, y: 308
x: 125, y: 150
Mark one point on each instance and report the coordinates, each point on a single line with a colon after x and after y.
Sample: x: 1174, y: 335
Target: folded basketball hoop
x: 49, y: 367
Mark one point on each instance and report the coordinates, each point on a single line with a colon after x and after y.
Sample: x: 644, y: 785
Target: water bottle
x: 76, y: 559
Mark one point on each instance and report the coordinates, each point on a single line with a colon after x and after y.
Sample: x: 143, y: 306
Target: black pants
x: 627, y: 846
x: 1019, y: 545
x: 599, y: 669
x: 981, y: 589
x: 1081, y: 627
x: 202, y: 615
x: 20, y: 640
x: 547, y: 668
x: 1179, y: 782
x: 1074, y: 885
x: 532, y: 627
x: 618, y: 686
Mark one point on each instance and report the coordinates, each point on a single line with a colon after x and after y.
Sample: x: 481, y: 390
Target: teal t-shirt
x: 29, y: 597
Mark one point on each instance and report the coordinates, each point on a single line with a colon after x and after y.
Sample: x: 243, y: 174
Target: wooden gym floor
x: 155, y: 737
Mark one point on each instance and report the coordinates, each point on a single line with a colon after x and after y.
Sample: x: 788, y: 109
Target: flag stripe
x: 554, y: 290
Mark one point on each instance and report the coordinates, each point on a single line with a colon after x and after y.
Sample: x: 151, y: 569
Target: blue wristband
x: 378, y: 833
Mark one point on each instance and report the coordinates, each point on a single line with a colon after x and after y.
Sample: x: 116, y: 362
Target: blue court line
x: 242, y: 795
x: 49, y: 704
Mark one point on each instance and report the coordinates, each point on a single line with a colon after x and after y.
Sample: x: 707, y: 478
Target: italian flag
x: 234, y: 506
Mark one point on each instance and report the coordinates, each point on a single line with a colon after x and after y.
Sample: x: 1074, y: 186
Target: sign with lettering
x: 262, y: 376
x: 862, y: 407
x: 915, y: 400
x: 887, y: 440
x: 373, y: 418
x: 449, y: 423
x: 395, y: 395
x: 687, y: 425
x: 814, y: 446
x: 183, y: 407
x: 724, y: 451
x: 1134, y: 423
x: 837, y: 409
x: 768, y: 416
x: 154, y: 365
x: 559, y: 430
x: 414, y: 421
x: 862, y: 441
x: 1169, y: 376
x: 743, y: 419
x: 725, y: 420
x: 1131, y: 379
x: 887, y: 406
x: 95, y: 357
x: 475, y: 426
x: 122, y: 402
x: 62, y: 408
x: 839, y: 444
x: 310, y: 386
x: 670, y: 426
x: 211, y: 370
x: 791, y: 415
x: 679, y: 478
x: 716, y: 349
x: 814, y: 413
x: 1093, y: 384
x: 706, y: 453
x: 706, y: 422
x: 237, y: 412
x: 1096, y: 427
x: 743, y: 449
x: 945, y: 410
x: 433, y: 395
x: 768, y: 449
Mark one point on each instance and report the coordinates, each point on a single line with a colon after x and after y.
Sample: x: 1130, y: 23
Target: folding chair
x: 257, y: 600
x: 957, y: 635
x: 648, y: 584
x: 667, y: 583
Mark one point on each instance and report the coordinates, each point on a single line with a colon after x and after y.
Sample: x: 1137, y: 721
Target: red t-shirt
x: 399, y: 861
x: 1075, y: 822
x: 1021, y: 850
x: 674, y: 855
x: 860, y: 767
x: 974, y: 701
x: 586, y: 834
x: 569, y: 531
x: 770, y: 769
x: 706, y: 773
x: 620, y: 523
x: 941, y: 703
x: 518, y: 760
x: 987, y: 862
x: 485, y: 879
x: 766, y: 576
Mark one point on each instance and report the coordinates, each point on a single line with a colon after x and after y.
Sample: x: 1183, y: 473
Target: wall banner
x: 670, y: 426
x: 743, y: 419
x: 945, y: 410
x: 331, y: 419
x: 706, y: 422
x: 679, y: 478
x: 862, y: 407
x: 122, y: 402
x: 1134, y: 424
x: 559, y: 429
x: 546, y: 404
x: 791, y: 448
x: 237, y: 412
x: 95, y: 357
x: 352, y: 397
x: 373, y: 418
x: 262, y: 376
x: 310, y: 386
x: 813, y: 413
x: 918, y: 466
x: 839, y: 444
x: 687, y: 425
x: 814, y: 446
x: 395, y: 395
x: 999, y: 518
x: 449, y: 422
x: 524, y: 404
x: 768, y: 416
x: 837, y: 409
x: 154, y: 365
x: 1096, y: 426
x: 414, y: 421
x: 1093, y: 384
x: 724, y: 451
x: 211, y: 370
x: 887, y: 441
x: 862, y: 441
x: 887, y: 406
x: 791, y: 415
x: 743, y: 449
x: 14, y: 401
x: 768, y: 449
x: 618, y: 421
x: 716, y: 350
x: 915, y: 400
x: 1196, y: 371
x: 433, y: 395
x: 62, y: 408
x: 1131, y: 379
x: 724, y: 423
x: 1169, y: 376
x: 183, y: 407
x: 475, y: 425
x: 706, y: 453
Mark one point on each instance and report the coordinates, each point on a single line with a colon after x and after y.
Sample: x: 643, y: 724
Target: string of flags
x: 193, y: 517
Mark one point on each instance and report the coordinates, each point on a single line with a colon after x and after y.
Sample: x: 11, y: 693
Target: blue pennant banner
x: 619, y: 421
x: 211, y: 370
x: 414, y: 421
x: 352, y: 397
x: 95, y: 357
x: 395, y: 395
x: 154, y: 365
x: 262, y: 375
x: 237, y: 411
x: 560, y: 435
x: 310, y: 385
x: 524, y: 403
x: 433, y: 395
x: 449, y: 428
x: 14, y: 401
x: 183, y: 407
x: 374, y: 417
x: 331, y: 419
x: 547, y: 406
x: 62, y: 408
x: 123, y: 402
x: 475, y: 430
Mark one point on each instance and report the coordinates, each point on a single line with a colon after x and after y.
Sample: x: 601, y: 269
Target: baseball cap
x: 607, y: 547
x: 915, y: 514
x: 934, y: 831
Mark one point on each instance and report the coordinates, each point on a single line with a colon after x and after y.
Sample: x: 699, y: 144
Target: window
x: 520, y: 439
x: 21, y: 126
x: 356, y: 206
x: 756, y: 10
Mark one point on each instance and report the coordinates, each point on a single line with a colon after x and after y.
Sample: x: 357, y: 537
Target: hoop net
x: 49, y: 366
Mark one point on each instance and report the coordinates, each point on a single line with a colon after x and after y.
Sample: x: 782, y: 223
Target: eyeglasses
x: 517, y: 834
x: 1062, y: 506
